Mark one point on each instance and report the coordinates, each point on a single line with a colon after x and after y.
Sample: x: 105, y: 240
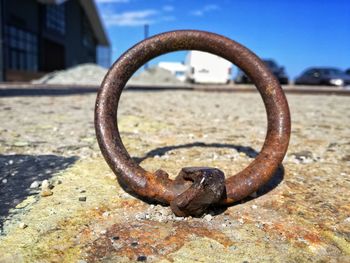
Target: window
x: 103, y: 54
x: 88, y: 38
x: 21, y: 49
x: 56, y: 18
x: 332, y: 71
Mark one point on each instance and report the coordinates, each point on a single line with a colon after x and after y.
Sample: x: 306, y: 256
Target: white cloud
x: 132, y: 18
x: 197, y: 13
x: 111, y: 1
x: 168, y: 18
x: 168, y: 8
x: 205, y: 9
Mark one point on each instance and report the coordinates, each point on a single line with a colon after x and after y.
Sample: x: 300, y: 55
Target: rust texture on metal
x: 195, y: 188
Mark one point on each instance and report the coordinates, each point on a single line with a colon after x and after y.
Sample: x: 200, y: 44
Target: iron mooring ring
x: 195, y: 188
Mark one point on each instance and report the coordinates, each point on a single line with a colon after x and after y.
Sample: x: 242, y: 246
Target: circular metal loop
x: 183, y: 192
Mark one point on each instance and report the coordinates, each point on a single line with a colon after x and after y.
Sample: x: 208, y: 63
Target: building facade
x: 40, y: 36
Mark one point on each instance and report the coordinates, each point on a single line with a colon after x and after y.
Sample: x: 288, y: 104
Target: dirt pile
x: 84, y: 74
x: 92, y: 74
x: 155, y: 76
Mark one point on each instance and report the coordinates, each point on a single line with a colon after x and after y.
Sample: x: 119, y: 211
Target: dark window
x: 315, y: 73
x: 56, y: 18
x: 53, y: 54
x: 21, y: 49
x: 88, y: 41
x: 332, y: 71
x: 88, y: 37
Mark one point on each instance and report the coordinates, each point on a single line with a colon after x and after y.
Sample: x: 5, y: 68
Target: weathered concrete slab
x: 302, y: 215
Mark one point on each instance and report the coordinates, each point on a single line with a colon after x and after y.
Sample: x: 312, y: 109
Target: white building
x: 176, y: 68
x: 203, y: 67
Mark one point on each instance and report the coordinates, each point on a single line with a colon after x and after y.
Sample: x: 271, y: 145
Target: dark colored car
x: 278, y: 71
x: 323, y: 76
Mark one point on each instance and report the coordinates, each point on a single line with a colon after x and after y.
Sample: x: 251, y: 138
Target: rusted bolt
x: 195, y: 188
x: 208, y: 186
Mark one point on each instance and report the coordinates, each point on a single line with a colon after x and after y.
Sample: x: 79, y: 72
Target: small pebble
x: 134, y: 244
x: 141, y: 258
x: 46, y: 192
x: 254, y: 195
x: 34, y: 184
x: 208, y: 217
x: 4, y: 181
x: 22, y: 225
x: 254, y: 206
x: 45, y: 184
x: 45, y: 188
x: 82, y: 198
x: 233, y: 248
x: 10, y: 162
x: 105, y: 214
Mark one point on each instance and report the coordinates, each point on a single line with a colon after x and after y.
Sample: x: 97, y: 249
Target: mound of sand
x: 92, y: 74
x: 84, y: 74
x: 155, y: 76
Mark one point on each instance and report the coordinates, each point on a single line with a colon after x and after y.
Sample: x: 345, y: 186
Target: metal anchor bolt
x: 195, y: 188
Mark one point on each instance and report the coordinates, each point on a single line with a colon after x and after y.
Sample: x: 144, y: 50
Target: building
x: 176, y: 68
x: 205, y: 68
x: 39, y: 36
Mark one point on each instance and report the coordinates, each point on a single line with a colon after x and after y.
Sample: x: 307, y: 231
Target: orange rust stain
x: 312, y: 238
x: 149, y: 238
x: 293, y: 232
x: 85, y: 235
x: 130, y: 203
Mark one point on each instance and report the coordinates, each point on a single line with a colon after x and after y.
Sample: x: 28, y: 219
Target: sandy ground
x: 302, y: 215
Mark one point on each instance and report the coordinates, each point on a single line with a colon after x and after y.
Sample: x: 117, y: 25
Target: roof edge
x: 96, y: 22
x: 91, y: 11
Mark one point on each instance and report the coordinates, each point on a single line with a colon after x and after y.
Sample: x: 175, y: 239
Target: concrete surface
x: 302, y: 215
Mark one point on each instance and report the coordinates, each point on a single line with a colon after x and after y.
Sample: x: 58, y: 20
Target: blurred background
x: 302, y: 42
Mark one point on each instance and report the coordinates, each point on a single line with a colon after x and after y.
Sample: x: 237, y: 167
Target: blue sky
x: 296, y: 33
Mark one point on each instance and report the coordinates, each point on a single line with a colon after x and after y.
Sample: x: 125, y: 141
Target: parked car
x: 277, y: 70
x: 323, y: 76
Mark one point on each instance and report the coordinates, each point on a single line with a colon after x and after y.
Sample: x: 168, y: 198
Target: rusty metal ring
x: 195, y: 188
